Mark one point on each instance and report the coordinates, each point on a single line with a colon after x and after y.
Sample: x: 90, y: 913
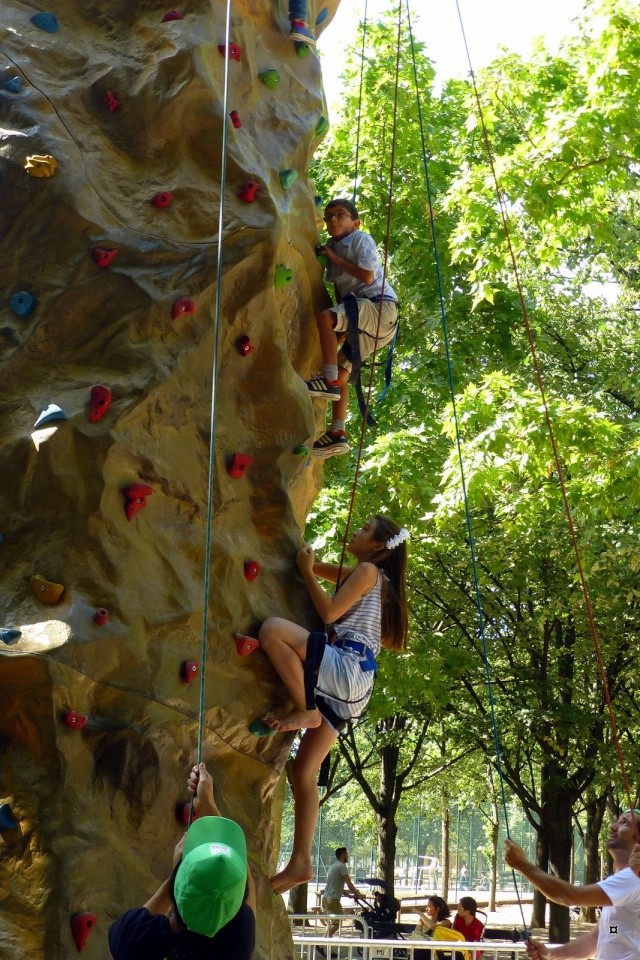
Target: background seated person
x: 435, y: 914
x: 466, y: 921
x: 383, y: 915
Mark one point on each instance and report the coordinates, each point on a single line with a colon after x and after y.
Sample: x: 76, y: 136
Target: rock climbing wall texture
x: 112, y: 124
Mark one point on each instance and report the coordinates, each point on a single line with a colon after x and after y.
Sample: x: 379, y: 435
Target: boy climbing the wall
x: 354, y: 268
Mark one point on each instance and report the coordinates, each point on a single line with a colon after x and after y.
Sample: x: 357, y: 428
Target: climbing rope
x: 463, y: 481
x: 365, y: 412
x: 214, y: 384
x: 549, y: 421
x: 359, y: 117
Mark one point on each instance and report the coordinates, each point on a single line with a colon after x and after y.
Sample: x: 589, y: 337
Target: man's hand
x: 200, y: 786
x: 536, y: 950
x: 514, y: 855
x: 634, y: 859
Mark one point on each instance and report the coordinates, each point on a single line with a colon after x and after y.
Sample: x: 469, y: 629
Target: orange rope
x: 556, y: 455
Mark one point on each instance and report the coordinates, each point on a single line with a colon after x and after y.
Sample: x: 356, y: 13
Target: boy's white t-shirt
x: 619, y: 928
x: 359, y: 248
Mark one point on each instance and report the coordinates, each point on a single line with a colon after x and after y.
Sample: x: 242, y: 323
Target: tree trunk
x: 445, y: 857
x: 386, y: 814
x: 495, y: 829
x: 595, y: 809
x: 538, y: 918
x: 557, y: 824
x: 298, y: 898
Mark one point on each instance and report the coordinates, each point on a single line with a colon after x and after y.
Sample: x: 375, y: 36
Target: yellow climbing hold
x: 46, y: 591
x: 41, y: 166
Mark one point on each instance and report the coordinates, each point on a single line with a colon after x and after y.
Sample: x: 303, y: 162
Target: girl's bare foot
x: 296, y: 720
x: 294, y: 873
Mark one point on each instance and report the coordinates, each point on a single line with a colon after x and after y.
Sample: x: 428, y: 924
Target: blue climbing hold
x: 22, y: 303
x: 322, y: 16
x: 52, y: 412
x: 6, y: 820
x: 317, y: 200
x: 45, y: 21
x: 9, y: 635
x: 14, y: 85
x: 260, y: 729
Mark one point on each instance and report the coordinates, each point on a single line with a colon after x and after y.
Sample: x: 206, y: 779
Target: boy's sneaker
x: 330, y: 445
x: 321, y: 387
x: 302, y: 32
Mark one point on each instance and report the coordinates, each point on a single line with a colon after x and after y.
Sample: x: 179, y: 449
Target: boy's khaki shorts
x: 368, y: 313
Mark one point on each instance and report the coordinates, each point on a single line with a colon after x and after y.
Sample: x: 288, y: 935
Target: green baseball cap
x: 211, y: 879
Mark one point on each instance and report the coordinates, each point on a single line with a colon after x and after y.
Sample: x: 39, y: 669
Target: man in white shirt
x: 337, y: 877
x: 617, y: 935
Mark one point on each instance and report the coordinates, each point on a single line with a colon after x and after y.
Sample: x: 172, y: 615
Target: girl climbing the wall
x: 330, y: 675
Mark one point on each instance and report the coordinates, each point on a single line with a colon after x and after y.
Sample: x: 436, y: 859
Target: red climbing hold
x: 162, y: 200
x: 251, y: 569
x: 172, y: 15
x: 183, y: 307
x: 238, y: 465
x: 248, y: 190
x: 235, y: 119
x: 104, y: 258
x: 234, y: 51
x: 81, y: 926
x: 101, y: 616
x: 100, y: 401
x: 74, y: 720
x: 136, y: 498
x: 189, y: 670
x: 111, y: 102
x: 245, y: 645
x: 245, y: 346
x: 183, y: 808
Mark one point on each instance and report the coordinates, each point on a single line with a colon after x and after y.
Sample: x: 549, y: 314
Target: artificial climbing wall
x: 112, y: 120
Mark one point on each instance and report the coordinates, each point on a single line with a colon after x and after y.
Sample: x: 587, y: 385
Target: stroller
x: 381, y: 915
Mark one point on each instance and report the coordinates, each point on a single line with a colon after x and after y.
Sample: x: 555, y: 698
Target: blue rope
x: 467, y: 511
x: 214, y: 384
x: 357, y: 157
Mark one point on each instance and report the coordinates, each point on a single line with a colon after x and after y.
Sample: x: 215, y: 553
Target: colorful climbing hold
x: 162, y: 200
x: 81, y: 926
x: 235, y: 119
x: 74, y: 720
x: 260, y: 729
x: 234, y: 51
x: 101, y: 616
x: 51, y: 413
x: 323, y: 260
x: 318, y: 200
x: 248, y: 190
x: 288, y: 178
x: 45, y: 21
x: 45, y: 590
x: 251, y: 569
x: 283, y: 276
x: 111, y: 102
x: 183, y: 307
x: 322, y: 16
x: 136, y: 498
x: 22, y: 303
x: 10, y: 635
x: 321, y: 126
x: 245, y: 347
x: 302, y: 450
x: 189, y: 670
x: 302, y: 49
x: 104, y: 258
x: 99, y: 402
x: 41, y: 167
x: 238, y: 465
x: 6, y: 818
x: 245, y: 645
x: 172, y: 15
x: 270, y: 78
x: 13, y: 85
x: 184, y: 811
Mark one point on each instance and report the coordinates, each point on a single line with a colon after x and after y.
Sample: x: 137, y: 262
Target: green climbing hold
x: 301, y: 450
x: 260, y: 729
x: 283, y: 276
x: 288, y: 178
x: 322, y: 126
x: 270, y: 78
x: 302, y: 49
x: 323, y: 260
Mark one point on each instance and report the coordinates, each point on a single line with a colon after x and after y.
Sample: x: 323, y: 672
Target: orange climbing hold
x: 101, y: 616
x: 189, y: 670
x: 245, y: 347
x: 245, y: 645
x: 251, y: 569
x: 184, y: 307
x: 234, y: 51
x: 81, y: 926
x: 74, y: 720
x: 45, y: 590
x: 235, y: 119
x: 248, y: 190
x: 104, y: 258
x: 100, y: 401
x: 162, y: 200
x: 136, y: 498
x: 239, y: 464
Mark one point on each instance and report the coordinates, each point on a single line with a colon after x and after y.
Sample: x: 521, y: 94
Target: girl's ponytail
x: 393, y: 562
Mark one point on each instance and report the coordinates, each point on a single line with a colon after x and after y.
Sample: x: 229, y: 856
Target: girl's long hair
x: 393, y: 563
x: 441, y: 906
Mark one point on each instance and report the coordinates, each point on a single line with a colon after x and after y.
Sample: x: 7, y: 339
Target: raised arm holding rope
x: 617, y: 935
x: 330, y: 675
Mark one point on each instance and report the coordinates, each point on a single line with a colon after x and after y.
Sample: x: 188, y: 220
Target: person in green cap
x: 205, y: 909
